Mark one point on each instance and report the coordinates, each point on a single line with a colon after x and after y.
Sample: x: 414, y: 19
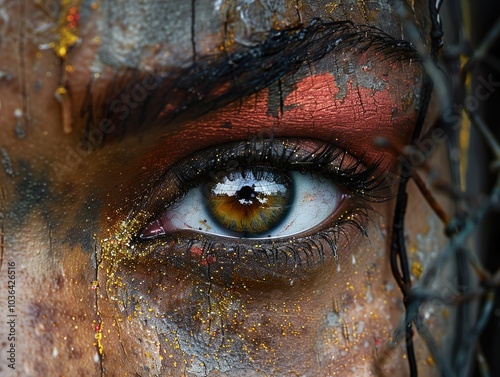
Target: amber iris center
x: 251, y: 202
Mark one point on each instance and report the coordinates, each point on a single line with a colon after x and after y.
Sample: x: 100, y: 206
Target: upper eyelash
x: 365, y: 181
x: 359, y: 178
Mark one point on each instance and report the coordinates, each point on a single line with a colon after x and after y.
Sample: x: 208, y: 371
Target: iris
x: 251, y: 201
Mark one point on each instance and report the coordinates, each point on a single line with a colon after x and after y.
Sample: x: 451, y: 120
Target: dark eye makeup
x: 240, y: 259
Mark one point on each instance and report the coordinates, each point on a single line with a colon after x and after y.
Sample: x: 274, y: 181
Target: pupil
x: 246, y: 195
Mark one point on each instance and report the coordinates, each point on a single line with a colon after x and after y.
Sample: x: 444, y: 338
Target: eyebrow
x: 215, y: 81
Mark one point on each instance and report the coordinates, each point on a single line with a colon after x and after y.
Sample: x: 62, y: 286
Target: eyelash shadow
x: 248, y: 260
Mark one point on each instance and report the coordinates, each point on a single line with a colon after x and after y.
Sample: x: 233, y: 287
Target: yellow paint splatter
x: 98, y: 338
x: 430, y: 361
x: 417, y: 269
x: 67, y: 27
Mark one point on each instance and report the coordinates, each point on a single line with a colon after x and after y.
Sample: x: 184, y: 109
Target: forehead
x: 163, y: 34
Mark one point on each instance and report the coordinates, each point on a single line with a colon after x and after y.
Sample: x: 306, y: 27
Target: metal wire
x: 460, y: 61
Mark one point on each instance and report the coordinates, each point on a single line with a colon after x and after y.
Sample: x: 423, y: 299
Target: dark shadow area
x: 485, y: 14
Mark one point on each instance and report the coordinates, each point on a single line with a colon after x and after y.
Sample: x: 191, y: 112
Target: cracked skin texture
x: 64, y: 211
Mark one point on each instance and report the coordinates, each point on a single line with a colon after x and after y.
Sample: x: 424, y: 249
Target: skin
x: 87, y: 304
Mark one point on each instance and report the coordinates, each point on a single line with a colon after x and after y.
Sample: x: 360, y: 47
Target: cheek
x: 145, y: 316
x: 160, y: 318
x: 356, y: 330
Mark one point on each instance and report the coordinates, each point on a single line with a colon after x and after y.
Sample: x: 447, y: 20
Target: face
x: 197, y: 188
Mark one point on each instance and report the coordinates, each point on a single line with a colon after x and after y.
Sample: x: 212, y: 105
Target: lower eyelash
x: 244, y: 263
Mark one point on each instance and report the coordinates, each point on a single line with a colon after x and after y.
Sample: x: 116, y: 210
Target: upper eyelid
x: 198, y: 87
x: 202, y: 165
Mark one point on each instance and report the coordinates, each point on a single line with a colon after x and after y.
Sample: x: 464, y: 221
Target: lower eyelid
x: 245, y: 263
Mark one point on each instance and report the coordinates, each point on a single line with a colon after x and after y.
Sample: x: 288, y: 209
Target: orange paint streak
x: 312, y: 110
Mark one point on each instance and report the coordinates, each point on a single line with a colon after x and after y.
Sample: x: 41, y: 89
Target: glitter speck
x: 330, y: 8
x: 416, y: 269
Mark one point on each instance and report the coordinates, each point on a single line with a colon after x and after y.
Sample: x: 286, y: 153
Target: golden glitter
x: 412, y: 249
x: 98, y: 338
x: 431, y: 362
x: 417, y: 269
x: 330, y: 7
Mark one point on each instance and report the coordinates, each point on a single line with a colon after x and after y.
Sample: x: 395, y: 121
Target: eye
x: 258, y: 212
x: 261, y: 202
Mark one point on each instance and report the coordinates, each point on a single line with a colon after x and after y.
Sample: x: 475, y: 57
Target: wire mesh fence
x: 462, y: 68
